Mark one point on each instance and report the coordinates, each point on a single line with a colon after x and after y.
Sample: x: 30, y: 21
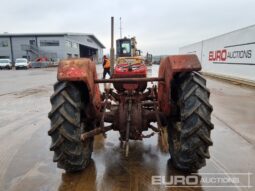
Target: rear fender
x: 170, y: 66
x: 81, y: 70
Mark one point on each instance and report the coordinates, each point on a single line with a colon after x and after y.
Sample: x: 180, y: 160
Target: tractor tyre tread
x: 196, y: 126
x: 70, y: 152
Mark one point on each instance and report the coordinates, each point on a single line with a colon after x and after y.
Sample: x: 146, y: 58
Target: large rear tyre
x: 190, y: 127
x: 68, y: 121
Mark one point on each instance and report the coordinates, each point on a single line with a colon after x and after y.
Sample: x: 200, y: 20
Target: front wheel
x: 67, y: 123
x: 189, y: 130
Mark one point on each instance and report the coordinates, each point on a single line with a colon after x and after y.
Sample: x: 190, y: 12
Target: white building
x: 230, y: 55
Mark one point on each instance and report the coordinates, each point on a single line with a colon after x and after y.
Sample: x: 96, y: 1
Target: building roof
x: 211, y: 38
x: 53, y: 34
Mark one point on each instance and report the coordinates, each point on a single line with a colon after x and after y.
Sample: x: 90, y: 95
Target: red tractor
x: 178, y: 102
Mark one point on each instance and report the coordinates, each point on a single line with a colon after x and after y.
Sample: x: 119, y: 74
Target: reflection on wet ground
x: 26, y: 162
x: 111, y: 170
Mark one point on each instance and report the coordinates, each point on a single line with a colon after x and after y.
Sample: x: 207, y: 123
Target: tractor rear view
x: 178, y: 102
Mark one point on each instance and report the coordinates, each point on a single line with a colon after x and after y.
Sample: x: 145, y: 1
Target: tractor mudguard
x: 169, y: 66
x: 84, y: 70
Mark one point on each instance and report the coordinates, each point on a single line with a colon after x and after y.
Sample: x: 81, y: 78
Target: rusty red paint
x: 169, y: 66
x: 85, y: 70
x: 130, y: 71
x: 128, y: 80
x: 81, y: 70
x: 126, y: 69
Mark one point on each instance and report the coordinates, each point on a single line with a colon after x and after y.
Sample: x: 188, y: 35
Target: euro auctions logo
x: 224, y: 54
x: 209, y: 180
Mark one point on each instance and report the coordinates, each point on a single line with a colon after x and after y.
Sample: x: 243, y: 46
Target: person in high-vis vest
x: 107, y: 66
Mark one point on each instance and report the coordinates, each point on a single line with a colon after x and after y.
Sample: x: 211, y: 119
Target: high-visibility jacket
x: 107, y: 63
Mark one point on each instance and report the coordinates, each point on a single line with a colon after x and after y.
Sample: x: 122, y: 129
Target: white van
x: 5, y: 64
x: 21, y: 63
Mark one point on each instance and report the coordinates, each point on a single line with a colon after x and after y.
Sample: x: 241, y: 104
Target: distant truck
x: 44, y: 62
x: 156, y: 59
x: 40, y: 62
x: 148, y: 59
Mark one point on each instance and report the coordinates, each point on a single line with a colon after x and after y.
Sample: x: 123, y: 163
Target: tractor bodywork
x: 169, y: 67
x: 136, y: 107
x: 177, y: 100
x: 85, y: 70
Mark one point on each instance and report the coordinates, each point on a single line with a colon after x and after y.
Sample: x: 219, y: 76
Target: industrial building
x: 231, y: 55
x: 54, y: 46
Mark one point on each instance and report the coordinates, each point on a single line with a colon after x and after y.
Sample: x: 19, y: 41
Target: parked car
x: 21, y: 63
x: 5, y: 64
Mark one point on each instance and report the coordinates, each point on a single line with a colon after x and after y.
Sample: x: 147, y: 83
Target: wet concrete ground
x: 26, y: 162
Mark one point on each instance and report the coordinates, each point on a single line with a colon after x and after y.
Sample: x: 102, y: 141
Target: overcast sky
x: 160, y: 26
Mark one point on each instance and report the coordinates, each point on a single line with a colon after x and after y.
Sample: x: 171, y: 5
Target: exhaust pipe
x: 112, y: 46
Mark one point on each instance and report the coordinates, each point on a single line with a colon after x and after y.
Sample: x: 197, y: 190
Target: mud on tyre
x: 190, y: 127
x: 68, y: 121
